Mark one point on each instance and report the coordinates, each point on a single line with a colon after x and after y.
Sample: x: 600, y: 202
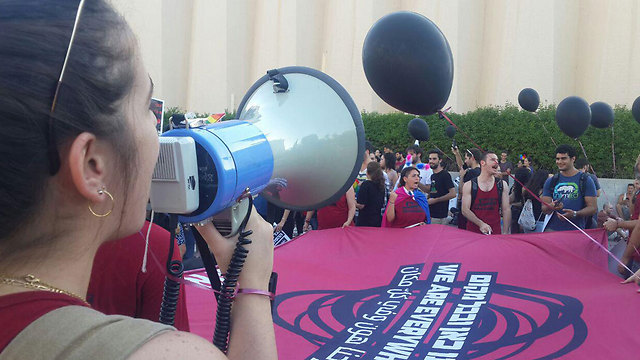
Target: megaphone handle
x: 239, y: 212
x: 229, y: 220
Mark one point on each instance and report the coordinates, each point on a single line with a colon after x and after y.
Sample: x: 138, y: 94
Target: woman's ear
x: 87, y: 159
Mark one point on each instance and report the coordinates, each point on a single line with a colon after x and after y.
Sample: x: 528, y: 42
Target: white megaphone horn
x: 299, y: 141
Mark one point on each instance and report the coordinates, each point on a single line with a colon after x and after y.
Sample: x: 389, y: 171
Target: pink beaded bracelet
x: 257, y: 292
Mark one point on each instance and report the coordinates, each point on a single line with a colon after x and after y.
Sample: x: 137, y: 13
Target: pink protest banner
x: 436, y: 292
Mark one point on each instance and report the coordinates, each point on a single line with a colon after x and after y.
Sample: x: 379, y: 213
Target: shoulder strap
x: 474, y: 191
x: 582, y: 185
x: 500, y: 187
x: 554, y: 181
x: 77, y: 332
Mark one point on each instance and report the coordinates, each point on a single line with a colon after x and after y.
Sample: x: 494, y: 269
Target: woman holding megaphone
x: 79, y: 146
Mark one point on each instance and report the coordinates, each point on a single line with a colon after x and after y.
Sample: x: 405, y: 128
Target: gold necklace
x: 31, y: 282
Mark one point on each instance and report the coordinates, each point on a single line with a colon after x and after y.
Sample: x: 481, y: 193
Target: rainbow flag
x: 214, y: 118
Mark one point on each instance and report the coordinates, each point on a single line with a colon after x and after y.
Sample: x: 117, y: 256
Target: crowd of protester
x: 491, y: 196
x: 395, y: 189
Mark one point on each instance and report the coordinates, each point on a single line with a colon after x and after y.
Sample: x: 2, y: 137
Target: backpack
x: 474, y: 191
x: 77, y: 333
x: 526, y: 219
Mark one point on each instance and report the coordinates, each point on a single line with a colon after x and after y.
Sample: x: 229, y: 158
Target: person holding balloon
x: 469, y: 170
x: 570, y: 193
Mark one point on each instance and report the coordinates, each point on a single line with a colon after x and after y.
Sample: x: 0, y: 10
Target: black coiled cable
x: 175, y: 270
x: 223, y: 316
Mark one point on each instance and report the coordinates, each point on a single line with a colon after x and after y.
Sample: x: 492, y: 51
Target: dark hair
x: 630, y: 185
x: 522, y: 175
x: 389, y: 160
x: 566, y: 149
x: 536, y: 182
x: 404, y: 173
x: 437, y: 152
x: 415, y: 148
x: 504, y: 152
x: 475, y: 153
x: 375, y: 173
x: 99, y: 75
x: 368, y: 147
x: 580, y: 163
x: 485, y: 154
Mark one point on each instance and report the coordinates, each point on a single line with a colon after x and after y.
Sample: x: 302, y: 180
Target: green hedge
x: 517, y: 131
x: 508, y: 128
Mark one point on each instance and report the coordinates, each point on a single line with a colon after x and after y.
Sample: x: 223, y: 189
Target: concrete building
x: 204, y: 54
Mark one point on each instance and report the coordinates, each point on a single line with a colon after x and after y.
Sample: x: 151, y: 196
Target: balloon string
x: 594, y: 170
x: 547, y: 131
x: 443, y: 153
x: 441, y: 113
x: 573, y: 224
x: 583, y: 151
x: 613, y: 151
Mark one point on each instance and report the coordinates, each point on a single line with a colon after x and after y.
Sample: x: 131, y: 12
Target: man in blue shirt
x: 570, y: 193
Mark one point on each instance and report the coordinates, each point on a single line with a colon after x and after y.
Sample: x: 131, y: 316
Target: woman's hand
x: 610, y: 224
x: 392, y: 197
x: 259, y: 263
x: 635, y: 277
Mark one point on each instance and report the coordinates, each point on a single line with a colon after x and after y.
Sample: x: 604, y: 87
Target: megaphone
x: 299, y: 141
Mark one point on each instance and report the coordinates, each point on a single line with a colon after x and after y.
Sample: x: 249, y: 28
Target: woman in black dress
x: 371, y: 197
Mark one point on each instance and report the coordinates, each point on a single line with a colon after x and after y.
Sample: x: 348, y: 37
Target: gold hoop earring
x: 103, y: 191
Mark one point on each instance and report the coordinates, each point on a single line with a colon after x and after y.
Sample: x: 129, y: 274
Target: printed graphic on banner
x: 280, y: 237
x: 436, y: 318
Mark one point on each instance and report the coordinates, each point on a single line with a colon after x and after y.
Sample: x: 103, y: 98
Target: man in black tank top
x: 484, y: 216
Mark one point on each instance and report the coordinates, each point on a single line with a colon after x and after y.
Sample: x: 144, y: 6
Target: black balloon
x: 408, y: 63
x: 635, y: 109
x: 419, y: 129
x: 601, y: 115
x: 529, y: 99
x: 573, y: 116
x: 450, y: 131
